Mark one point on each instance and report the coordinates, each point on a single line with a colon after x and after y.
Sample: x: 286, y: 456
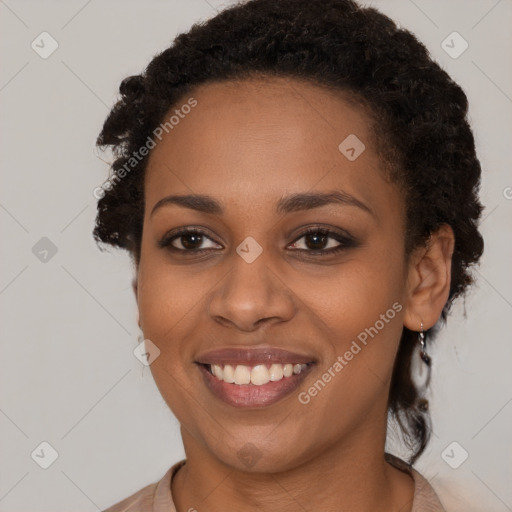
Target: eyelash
x: 345, y: 241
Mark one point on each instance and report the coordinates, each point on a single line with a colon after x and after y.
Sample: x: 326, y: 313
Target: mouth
x: 253, y: 377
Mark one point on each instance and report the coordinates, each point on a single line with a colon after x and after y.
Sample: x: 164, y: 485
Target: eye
x: 322, y: 241
x: 314, y: 241
x: 188, y: 240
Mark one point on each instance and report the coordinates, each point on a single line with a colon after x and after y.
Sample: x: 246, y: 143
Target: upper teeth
x: 257, y: 375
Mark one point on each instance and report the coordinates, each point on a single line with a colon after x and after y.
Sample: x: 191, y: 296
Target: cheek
x: 166, y: 302
x: 362, y: 307
x: 166, y: 294
x: 357, y: 295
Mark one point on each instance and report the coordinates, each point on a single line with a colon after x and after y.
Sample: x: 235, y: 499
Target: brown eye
x: 316, y: 241
x: 321, y: 241
x: 188, y: 240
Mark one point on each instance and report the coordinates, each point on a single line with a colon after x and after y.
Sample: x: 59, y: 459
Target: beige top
x: 157, y: 497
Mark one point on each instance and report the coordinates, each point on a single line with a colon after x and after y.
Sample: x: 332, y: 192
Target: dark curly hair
x: 418, y: 118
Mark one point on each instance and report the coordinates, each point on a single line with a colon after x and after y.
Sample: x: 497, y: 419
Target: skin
x: 248, y: 145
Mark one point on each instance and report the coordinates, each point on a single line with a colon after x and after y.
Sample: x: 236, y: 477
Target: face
x: 294, y: 255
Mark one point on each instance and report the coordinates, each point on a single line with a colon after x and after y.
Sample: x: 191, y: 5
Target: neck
x: 350, y: 476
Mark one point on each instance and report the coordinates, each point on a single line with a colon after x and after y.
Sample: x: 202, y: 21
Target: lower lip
x: 249, y: 395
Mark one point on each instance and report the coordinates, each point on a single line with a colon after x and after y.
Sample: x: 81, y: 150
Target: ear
x: 428, y: 280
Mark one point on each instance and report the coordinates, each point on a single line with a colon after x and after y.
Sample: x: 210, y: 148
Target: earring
x: 422, y: 402
x: 423, y: 347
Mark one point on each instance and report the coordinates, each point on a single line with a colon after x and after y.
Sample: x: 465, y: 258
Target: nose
x: 250, y: 295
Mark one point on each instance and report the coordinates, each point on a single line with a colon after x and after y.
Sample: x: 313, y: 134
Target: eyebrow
x: 292, y: 203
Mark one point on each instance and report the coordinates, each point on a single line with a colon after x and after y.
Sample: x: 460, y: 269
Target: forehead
x: 262, y: 138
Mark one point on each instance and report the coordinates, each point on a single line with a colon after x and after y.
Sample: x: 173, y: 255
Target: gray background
x: 68, y: 373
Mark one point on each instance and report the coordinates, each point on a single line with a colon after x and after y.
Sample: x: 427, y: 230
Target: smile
x: 253, y: 377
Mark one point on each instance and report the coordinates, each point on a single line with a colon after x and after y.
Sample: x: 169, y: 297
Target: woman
x: 296, y: 182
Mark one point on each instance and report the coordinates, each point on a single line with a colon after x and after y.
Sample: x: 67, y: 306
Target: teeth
x: 256, y: 375
x: 229, y: 374
x: 242, y: 374
x: 260, y: 375
x: 217, y: 371
x: 276, y: 372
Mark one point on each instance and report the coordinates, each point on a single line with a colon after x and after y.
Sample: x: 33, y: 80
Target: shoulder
x: 141, y: 501
x: 154, y: 497
x: 425, y: 498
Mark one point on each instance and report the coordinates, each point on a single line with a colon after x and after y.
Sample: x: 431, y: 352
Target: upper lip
x: 252, y: 356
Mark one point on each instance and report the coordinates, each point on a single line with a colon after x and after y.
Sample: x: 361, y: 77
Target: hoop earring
x: 423, y: 347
